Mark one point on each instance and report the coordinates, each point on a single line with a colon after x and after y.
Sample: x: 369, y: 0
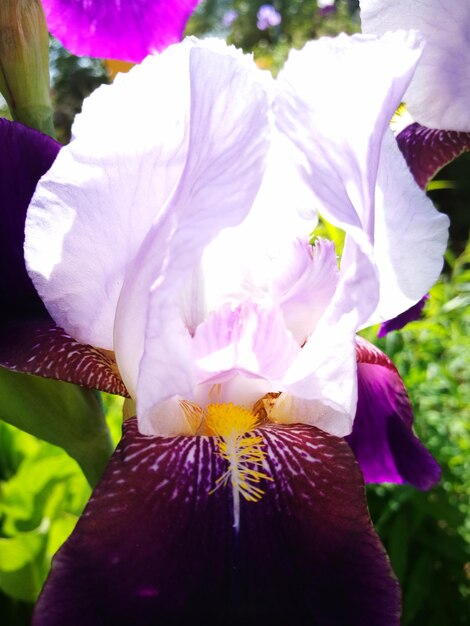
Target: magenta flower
x: 174, y: 267
x: 127, y: 30
x: 267, y: 16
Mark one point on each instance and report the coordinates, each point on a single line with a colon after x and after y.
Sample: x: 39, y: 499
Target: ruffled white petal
x: 249, y: 339
x: 240, y: 262
x: 226, y: 158
x: 440, y: 91
x: 94, y: 207
x: 336, y: 98
x: 321, y: 384
x: 410, y: 236
x: 305, y: 280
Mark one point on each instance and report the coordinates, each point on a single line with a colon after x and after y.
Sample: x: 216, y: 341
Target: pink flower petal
x: 127, y: 30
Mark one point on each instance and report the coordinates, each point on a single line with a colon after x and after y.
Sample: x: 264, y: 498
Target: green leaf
x: 20, y: 576
x: 60, y: 413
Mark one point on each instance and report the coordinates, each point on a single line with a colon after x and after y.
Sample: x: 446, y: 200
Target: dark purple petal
x: 127, y: 30
x: 29, y: 339
x: 154, y: 546
x: 427, y: 150
x: 25, y: 156
x: 398, y: 322
x: 39, y: 347
x: 382, y: 438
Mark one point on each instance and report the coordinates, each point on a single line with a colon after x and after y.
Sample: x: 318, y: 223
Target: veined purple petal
x: 427, y: 150
x: 127, y: 30
x: 154, y: 546
x: 25, y: 156
x: 39, y: 347
x: 439, y: 93
x: 382, y: 439
x: 410, y: 315
x: 29, y: 340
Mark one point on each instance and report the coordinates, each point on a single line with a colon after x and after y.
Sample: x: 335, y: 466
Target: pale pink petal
x: 304, y: 284
x: 439, y: 93
x: 117, y: 29
x: 249, y: 339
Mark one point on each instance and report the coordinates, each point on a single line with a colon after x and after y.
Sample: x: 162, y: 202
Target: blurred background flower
x: 267, y: 16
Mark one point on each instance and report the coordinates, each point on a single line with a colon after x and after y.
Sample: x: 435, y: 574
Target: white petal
x: 336, y: 98
x: 239, y: 263
x: 440, y: 91
x: 305, y: 280
x: 321, y: 384
x: 225, y: 163
x: 410, y: 236
x: 93, y: 209
x: 249, y: 339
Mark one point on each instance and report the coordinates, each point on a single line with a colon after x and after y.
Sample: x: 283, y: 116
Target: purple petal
x: 25, y: 156
x: 398, y: 322
x: 427, y: 150
x: 127, y: 30
x: 382, y: 438
x: 29, y: 340
x: 39, y: 347
x: 155, y: 547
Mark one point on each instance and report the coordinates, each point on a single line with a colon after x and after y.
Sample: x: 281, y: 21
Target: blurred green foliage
x: 427, y: 535
x: 42, y: 494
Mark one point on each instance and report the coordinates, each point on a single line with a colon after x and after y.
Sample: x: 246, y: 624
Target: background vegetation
x: 427, y: 535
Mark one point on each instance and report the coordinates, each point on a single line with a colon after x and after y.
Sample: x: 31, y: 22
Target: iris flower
x: 173, y: 266
x: 126, y: 30
x: 437, y: 98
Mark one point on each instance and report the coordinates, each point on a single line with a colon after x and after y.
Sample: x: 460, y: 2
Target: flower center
x: 233, y: 426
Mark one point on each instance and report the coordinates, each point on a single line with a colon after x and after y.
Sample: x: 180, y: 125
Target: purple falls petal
x: 29, y: 339
x: 127, y: 30
x: 25, y: 156
x: 410, y: 315
x: 427, y: 150
x: 154, y: 546
x: 41, y: 348
x: 382, y: 438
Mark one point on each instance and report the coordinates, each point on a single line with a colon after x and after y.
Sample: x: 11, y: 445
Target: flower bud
x: 24, y: 63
